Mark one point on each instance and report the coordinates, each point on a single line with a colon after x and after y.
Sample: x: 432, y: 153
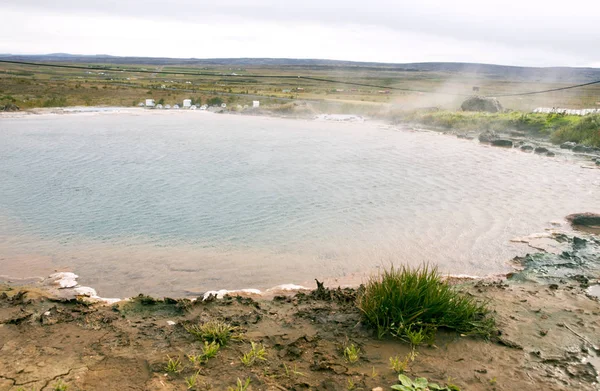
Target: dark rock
x: 582, y: 148
x: 480, y: 103
x: 465, y: 136
x: 526, y: 148
x: 551, y: 154
x: 487, y: 136
x: 9, y: 107
x: 598, y: 162
x: 591, y: 220
x: 502, y: 143
x: 541, y: 150
x: 568, y: 145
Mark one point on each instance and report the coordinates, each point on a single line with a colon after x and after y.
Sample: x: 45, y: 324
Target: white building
x: 187, y: 103
x: 150, y: 103
x: 255, y: 103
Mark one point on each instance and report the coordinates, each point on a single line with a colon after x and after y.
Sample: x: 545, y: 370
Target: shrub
x: 406, y: 301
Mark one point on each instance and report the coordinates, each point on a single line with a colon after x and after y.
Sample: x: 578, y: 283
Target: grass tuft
x: 173, y: 365
x: 212, y: 331
x: 352, y: 353
x: 240, y: 386
x: 412, y: 303
x: 256, y: 352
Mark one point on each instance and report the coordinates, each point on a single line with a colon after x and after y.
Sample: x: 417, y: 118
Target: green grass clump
x: 256, y: 352
x: 212, y: 331
x: 173, y: 365
x: 411, y: 303
x: 352, y: 353
x: 586, y: 131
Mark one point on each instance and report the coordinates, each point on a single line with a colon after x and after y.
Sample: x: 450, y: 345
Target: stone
x: 540, y: 150
x: 482, y: 104
x: 568, y: 145
x: 591, y: 220
x: 502, y: 143
x: 582, y: 148
x: 526, y: 148
x: 551, y: 154
x: 487, y: 136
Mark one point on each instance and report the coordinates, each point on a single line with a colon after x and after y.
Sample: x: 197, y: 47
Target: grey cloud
x: 566, y: 27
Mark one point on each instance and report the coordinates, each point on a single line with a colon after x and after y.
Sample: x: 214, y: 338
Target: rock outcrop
x: 591, y: 220
x: 482, y: 104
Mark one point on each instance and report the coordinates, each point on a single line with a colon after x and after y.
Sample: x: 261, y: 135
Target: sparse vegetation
x: 415, y: 301
x: 292, y: 372
x: 240, y: 386
x: 559, y: 127
x: 212, y: 331
x: 256, y: 352
x: 399, y: 364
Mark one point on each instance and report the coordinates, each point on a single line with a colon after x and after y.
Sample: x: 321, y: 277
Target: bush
x: 406, y: 301
x: 216, y: 101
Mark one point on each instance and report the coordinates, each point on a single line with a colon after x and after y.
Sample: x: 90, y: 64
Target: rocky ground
x: 547, y: 315
x: 523, y: 141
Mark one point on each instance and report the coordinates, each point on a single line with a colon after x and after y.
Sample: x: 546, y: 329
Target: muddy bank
x: 549, y: 328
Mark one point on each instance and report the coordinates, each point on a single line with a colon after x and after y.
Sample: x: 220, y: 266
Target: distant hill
x: 504, y: 72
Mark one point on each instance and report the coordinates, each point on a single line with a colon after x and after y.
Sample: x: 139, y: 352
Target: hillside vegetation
x: 558, y: 127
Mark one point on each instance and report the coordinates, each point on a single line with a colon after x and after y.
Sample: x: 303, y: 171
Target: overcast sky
x: 513, y: 32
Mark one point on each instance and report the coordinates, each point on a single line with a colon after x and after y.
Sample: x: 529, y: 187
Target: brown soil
x: 547, y: 341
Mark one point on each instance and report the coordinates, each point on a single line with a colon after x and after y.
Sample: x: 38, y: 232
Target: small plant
x: 420, y: 384
x: 210, y: 350
x: 256, y: 352
x: 240, y: 386
x: 350, y: 385
x: 191, y: 381
x: 416, y: 335
x: 212, y: 331
x: 399, y: 365
x: 60, y: 386
x: 289, y: 371
x: 374, y: 373
x: 351, y: 353
x: 173, y: 365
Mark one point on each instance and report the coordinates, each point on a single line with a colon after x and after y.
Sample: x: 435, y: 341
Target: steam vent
x: 480, y: 103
